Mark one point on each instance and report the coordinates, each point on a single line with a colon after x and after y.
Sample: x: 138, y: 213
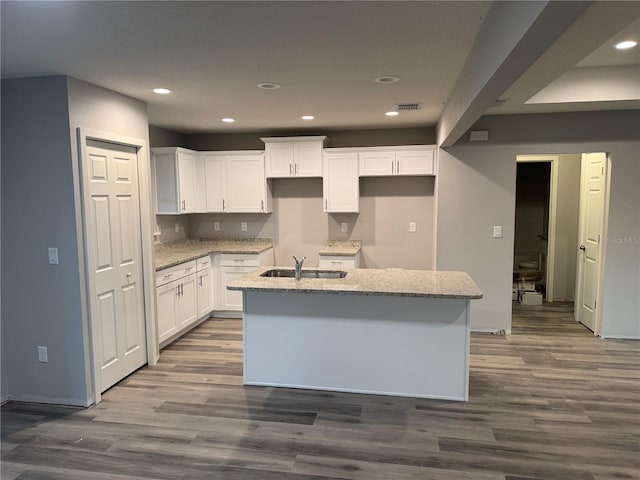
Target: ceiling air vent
x: 406, y: 107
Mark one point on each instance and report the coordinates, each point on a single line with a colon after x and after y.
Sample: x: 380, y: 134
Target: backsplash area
x: 298, y: 226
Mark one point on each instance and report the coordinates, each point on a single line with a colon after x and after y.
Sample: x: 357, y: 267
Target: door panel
x: 113, y: 232
x: 591, y: 233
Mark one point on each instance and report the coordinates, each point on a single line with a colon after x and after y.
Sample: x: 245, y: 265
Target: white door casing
x: 114, y: 262
x: 591, y: 234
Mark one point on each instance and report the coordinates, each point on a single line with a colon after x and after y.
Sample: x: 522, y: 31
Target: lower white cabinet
x: 204, y: 286
x: 183, y: 295
x: 232, y: 299
x: 233, y: 266
x: 339, y: 261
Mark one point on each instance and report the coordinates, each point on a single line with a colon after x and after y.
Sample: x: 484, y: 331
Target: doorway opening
x: 560, y: 219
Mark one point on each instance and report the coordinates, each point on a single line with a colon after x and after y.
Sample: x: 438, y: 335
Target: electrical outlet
x: 412, y: 227
x: 53, y: 256
x: 177, y: 227
x: 343, y: 227
x: 243, y: 226
x: 42, y: 355
x: 497, y: 231
x: 216, y: 226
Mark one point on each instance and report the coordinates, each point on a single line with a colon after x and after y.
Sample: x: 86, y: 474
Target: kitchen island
x: 388, y: 332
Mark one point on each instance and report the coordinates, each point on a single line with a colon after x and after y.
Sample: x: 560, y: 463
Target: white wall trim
x: 68, y: 402
x: 148, y: 269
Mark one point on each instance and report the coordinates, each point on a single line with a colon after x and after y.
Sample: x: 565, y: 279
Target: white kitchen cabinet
x: 340, y: 185
x: 235, y: 182
x: 392, y: 161
x: 293, y: 156
x: 233, y: 266
x: 176, y: 299
x: 339, y: 261
x: 204, y: 286
x: 215, y: 177
x: 179, y: 182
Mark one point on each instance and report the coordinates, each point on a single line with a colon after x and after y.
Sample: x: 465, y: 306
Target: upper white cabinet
x: 390, y: 161
x: 293, y: 156
x: 340, y: 185
x: 179, y: 181
x: 235, y: 182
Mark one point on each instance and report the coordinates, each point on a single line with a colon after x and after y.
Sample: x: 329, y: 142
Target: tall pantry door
x: 114, y: 253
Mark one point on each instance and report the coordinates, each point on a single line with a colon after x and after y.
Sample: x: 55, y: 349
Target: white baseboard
x: 66, y: 402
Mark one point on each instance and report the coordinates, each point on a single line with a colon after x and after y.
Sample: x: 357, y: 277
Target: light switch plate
x: 53, y: 256
x: 43, y: 357
x: 412, y: 227
x: 344, y: 227
x: 177, y: 227
x: 243, y: 226
x: 497, y: 231
x: 216, y: 226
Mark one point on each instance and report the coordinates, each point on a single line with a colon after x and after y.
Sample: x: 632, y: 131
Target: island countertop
x: 367, y: 281
x: 168, y: 255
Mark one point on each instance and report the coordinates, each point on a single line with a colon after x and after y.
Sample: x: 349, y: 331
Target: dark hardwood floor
x: 550, y: 401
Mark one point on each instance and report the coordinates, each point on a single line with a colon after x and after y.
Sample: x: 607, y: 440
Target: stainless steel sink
x: 290, y: 273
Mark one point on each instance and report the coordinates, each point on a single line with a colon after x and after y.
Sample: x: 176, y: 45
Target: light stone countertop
x: 341, y: 247
x: 168, y: 255
x: 366, y: 281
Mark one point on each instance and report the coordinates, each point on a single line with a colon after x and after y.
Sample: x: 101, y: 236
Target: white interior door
x: 592, y: 204
x: 114, y: 253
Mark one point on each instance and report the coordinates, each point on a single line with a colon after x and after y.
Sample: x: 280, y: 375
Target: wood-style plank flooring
x: 550, y: 401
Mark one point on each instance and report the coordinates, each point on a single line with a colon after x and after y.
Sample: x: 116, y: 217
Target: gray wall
x: 43, y: 303
x: 161, y: 137
x: 299, y: 227
x: 476, y: 191
x: 335, y: 138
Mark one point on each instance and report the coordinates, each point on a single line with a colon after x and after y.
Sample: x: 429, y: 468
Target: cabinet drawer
x: 239, y: 260
x: 203, y: 263
x: 337, y: 261
x: 170, y: 274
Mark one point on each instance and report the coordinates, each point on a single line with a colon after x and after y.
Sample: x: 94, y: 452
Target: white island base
x: 377, y: 344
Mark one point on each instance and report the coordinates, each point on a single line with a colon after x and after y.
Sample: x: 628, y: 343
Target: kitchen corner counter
x: 388, y: 282
x: 168, y: 255
x: 341, y: 248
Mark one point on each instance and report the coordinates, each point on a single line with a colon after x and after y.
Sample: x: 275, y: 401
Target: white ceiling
x: 324, y: 54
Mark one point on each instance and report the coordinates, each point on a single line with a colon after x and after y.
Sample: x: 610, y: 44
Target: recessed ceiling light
x: 307, y: 117
x: 392, y: 114
x: 626, y: 44
x: 387, y: 79
x: 228, y: 120
x: 162, y: 91
x: 269, y: 85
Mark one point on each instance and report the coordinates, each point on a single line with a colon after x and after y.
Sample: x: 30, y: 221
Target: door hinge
x: 602, y: 171
x: 595, y: 304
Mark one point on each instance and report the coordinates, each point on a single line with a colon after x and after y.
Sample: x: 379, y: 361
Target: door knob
x: 583, y: 248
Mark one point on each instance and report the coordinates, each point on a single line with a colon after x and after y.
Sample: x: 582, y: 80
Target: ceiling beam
x: 512, y: 37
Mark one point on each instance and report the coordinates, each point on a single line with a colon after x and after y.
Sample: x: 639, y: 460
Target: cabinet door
x: 308, y: 159
x: 187, y: 301
x: 340, y: 182
x: 415, y: 162
x: 246, y: 184
x: 205, y: 300
x: 232, y: 299
x: 377, y: 164
x: 279, y: 160
x: 215, y: 183
x: 187, y: 182
x: 166, y: 300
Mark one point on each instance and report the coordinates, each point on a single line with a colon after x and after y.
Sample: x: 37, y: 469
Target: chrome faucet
x: 298, y: 267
